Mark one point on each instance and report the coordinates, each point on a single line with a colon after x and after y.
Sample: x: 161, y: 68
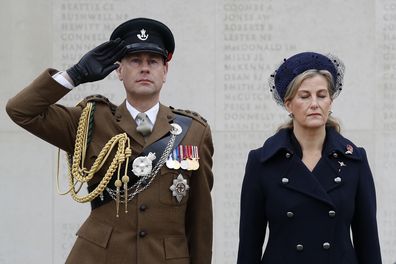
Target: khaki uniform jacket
x: 157, y: 228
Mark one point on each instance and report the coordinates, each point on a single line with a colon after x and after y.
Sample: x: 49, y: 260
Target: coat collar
x: 161, y: 127
x: 334, y: 143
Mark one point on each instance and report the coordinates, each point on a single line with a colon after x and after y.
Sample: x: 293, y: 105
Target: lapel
x: 162, y: 125
x: 304, y: 181
x: 124, y: 119
x: 336, y: 160
x: 327, y: 172
x: 327, y: 175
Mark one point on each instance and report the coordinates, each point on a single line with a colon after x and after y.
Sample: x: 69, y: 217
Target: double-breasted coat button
x: 326, y: 245
x: 142, y: 233
x: 337, y: 180
x: 335, y: 155
x: 332, y: 213
x: 285, y: 180
x: 142, y: 207
x: 300, y: 247
x: 287, y: 155
x: 290, y: 214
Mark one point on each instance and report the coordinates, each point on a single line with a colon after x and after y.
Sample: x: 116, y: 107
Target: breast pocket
x: 174, y: 187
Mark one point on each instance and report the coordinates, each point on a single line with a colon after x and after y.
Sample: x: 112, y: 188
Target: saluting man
x: 148, y: 166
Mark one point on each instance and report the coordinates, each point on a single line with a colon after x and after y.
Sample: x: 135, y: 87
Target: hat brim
x: 146, y: 47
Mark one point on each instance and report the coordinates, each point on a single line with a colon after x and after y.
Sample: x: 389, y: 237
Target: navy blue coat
x: 310, y: 215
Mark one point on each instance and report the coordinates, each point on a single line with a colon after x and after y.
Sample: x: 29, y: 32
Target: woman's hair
x: 292, y: 89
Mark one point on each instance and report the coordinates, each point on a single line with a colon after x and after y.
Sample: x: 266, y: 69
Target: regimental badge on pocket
x: 179, y: 188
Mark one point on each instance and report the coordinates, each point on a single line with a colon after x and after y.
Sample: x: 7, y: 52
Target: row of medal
x: 185, y: 157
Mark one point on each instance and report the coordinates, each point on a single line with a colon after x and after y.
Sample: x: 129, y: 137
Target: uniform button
x: 287, y: 155
x: 335, y: 155
x: 285, y: 180
x: 290, y: 214
x: 142, y: 233
x: 332, y: 213
x: 143, y: 207
x: 300, y: 247
x: 337, y: 180
x: 326, y: 245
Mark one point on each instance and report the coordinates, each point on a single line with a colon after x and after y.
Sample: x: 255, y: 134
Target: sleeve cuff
x: 58, y: 77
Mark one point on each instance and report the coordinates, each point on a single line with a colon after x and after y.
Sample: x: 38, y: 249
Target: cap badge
x: 142, y: 35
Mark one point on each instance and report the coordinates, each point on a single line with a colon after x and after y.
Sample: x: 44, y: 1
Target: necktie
x: 144, y: 125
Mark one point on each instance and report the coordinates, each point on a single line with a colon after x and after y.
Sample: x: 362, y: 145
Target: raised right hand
x: 98, y: 63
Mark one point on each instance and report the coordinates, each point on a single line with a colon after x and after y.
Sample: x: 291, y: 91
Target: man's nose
x: 145, y: 66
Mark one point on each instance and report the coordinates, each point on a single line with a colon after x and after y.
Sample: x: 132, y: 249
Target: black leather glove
x: 97, y: 63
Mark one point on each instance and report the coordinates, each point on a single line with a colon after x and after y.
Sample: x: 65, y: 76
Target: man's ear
x: 119, y: 71
x: 165, y: 71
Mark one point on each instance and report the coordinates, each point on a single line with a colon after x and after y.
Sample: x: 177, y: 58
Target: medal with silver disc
x: 142, y: 166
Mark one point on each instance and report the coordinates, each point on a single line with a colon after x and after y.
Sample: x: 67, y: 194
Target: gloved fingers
x: 112, y: 53
x: 118, y: 54
x: 106, y: 71
x: 105, y: 48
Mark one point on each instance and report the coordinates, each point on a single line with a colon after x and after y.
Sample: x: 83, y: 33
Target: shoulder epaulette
x: 189, y: 113
x: 97, y: 98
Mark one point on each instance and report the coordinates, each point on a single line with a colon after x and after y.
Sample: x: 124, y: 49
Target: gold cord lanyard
x: 78, y: 174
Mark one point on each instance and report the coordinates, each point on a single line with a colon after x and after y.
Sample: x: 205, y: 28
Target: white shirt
x: 151, y: 113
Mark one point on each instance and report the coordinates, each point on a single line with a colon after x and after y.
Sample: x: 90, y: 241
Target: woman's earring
x: 291, y: 115
x: 330, y: 112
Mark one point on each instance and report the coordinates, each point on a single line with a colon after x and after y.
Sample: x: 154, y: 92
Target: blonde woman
x: 311, y: 186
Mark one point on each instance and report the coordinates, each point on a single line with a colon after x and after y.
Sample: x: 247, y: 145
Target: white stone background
x: 225, y: 51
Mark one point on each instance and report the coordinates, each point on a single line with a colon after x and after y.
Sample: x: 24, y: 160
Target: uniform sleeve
x: 199, y: 216
x: 364, y: 223
x: 253, y: 219
x: 34, y: 109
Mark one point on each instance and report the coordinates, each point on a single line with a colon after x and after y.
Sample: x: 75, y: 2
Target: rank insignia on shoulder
x: 185, y: 157
x: 179, y: 188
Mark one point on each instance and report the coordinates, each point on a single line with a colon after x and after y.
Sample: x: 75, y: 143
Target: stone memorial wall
x: 225, y: 52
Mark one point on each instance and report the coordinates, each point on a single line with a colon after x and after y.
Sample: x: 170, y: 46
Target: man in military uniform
x: 148, y: 166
